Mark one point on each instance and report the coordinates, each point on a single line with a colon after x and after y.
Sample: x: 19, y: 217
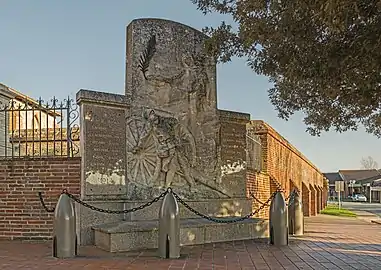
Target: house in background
x: 354, y: 180
x: 28, y: 127
x: 371, y: 187
x: 332, y: 178
x: 367, y: 182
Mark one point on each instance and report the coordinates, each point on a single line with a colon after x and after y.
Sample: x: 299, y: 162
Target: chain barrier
x: 222, y: 220
x: 107, y: 211
x: 256, y: 199
x: 290, y: 199
x: 44, y: 205
x: 259, y: 201
x: 268, y: 205
x: 280, y: 189
x: 156, y: 199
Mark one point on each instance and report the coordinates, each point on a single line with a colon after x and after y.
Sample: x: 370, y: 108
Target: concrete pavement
x: 374, y: 208
x: 370, y: 212
x: 329, y: 243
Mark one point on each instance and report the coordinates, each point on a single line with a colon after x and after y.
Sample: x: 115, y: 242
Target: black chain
x: 280, y: 189
x: 77, y: 200
x: 217, y: 220
x: 223, y: 220
x: 258, y: 200
x: 292, y: 198
x: 107, y: 211
x: 287, y: 201
x: 44, y: 205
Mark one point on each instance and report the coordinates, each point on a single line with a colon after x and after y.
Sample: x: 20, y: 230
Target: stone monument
x: 172, y: 124
x: 169, y: 133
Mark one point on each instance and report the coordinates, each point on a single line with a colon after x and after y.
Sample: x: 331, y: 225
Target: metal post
x: 370, y: 194
x: 295, y: 215
x: 64, y: 233
x: 339, y: 199
x: 278, y: 221
x: 169, y: 228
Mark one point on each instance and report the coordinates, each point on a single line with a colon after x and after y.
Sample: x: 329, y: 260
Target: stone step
x: 211, y: 207
x: 216, y: 207
x: 137, y: 235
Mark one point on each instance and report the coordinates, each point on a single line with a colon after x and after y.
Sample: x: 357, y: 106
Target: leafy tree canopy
x: 323, y: 57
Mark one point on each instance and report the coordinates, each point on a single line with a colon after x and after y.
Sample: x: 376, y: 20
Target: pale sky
x: 58, y: 47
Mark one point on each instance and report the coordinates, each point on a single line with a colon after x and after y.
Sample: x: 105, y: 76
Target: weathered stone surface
x: 172, y: 125
x: 126, y: 236
x: 89, y: 218
x: 233, y: 151
x: 102, y: 143
x: 215, y: 207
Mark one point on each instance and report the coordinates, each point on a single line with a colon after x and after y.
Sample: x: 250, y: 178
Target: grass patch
x: 334, y: 210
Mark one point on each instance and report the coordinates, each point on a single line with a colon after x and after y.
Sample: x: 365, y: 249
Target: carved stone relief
x: 161, y: 152
x: 190, y: 77
x: 172, y: 128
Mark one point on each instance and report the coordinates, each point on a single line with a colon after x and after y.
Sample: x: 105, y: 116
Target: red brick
x: 286, y: 168
x: 22, y: 214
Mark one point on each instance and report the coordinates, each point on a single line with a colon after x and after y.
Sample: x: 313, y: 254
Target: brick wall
x: 258, y: 186
x: 306, y: 199
x: 313, y: 200
x: 287, y: 167
x: 22, y: 214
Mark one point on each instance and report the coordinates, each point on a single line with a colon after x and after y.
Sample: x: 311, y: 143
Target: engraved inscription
x: 105, y: 140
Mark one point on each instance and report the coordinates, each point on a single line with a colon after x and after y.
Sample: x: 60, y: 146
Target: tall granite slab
x: 103, y: 144
x: 173, y: 127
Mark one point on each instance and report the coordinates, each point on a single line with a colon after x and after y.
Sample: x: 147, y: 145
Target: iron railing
x: 30, y: 128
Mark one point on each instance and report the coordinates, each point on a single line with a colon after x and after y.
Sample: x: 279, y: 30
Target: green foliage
x: 333, y: 210
x: 323, y: 57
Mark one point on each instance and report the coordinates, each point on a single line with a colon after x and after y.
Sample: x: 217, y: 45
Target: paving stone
x: 329, y: 243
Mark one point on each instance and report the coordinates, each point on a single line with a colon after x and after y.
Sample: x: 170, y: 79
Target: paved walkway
x: 329, y: 243
x: 370, y: 212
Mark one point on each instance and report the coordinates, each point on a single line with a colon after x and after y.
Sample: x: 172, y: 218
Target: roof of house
x: 358, y: 174
x: 376, y: 183
x: 12, y: 93
x: 333, y: 177
x: 370, y: 179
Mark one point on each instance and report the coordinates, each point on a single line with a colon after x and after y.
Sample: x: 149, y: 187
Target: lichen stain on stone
x: 96, y: 178
x: 234, y: 167
x: 115, y: 176
x: 231, y: 209
x: 89, y: 116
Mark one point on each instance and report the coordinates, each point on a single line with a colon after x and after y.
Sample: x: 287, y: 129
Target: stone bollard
x: 64, y: 232
x: 169, y: 228
x: 295, y: 215
x: 278, y: 221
